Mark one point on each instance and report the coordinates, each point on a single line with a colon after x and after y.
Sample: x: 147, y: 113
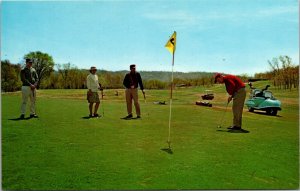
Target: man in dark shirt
x: 131, y: 82
x: 236, y: 90
x: 29, y: 79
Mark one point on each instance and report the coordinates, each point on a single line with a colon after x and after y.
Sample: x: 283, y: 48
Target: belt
x: 240, y: 89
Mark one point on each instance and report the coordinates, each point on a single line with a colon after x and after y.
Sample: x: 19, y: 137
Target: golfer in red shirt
x: 236, y: 90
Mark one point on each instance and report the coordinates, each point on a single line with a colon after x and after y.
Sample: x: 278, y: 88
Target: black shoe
x: 138, y: 117
x: 90, y: 115
x: 128, y: 116
x: 97, y: 115
x: 22, y: 116
x: 33, y: 116
x: 236, y: 128
x: 231, y: 127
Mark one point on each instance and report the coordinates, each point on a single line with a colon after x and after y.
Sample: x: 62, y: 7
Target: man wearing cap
x: 29, y: 80
x: 92, y: 94
x: 236, y: 90
x: 131, y: 82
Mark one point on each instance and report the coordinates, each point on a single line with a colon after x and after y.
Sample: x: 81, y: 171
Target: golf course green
x: 62, y: 150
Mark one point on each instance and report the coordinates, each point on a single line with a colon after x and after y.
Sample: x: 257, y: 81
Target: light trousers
x: 27, y: 92
x: 237, y: 107
x: 132, y: 94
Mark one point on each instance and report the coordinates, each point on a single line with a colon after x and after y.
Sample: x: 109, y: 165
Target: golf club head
x: 169, y: 144
x: 168, y: 150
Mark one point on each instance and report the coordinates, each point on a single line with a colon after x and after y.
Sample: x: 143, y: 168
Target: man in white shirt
x: 92, y: 94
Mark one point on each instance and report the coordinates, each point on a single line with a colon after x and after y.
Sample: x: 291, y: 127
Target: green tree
x: 43, y: 64
x: 10, y: 73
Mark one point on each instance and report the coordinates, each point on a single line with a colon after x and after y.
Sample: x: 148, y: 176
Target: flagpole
x: 171, y: 98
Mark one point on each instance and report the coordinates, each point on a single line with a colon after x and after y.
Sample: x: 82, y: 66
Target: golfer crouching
x: 236, y: 90
x: 131, y: 82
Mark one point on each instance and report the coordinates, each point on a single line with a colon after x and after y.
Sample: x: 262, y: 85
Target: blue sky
x: 230, y: 36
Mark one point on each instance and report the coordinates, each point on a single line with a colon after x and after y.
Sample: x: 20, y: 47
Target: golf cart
x: 263, y: 100
x: 208, y: 95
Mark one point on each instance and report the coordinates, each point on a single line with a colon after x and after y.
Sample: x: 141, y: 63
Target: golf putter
x: 169, y: 149
x: 102, y: 103
x: 34, y: 96
x: 102, y: 96
x: 222, y: 118
x: 169, y: 144
x: 144, y: 97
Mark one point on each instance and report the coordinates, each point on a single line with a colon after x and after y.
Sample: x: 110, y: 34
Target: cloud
x: 177, y: 18
x: 202, y: 19
x: 275, y: 11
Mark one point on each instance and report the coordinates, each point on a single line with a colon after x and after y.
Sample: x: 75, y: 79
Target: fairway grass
x: 61, y: 150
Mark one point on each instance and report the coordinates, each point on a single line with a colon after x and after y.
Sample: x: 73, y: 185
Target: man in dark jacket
x: 236, y: 90
x: 131, y: 82
x: 30, y: 80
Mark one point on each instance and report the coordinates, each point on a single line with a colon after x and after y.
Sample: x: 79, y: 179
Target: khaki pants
x: 28, y: 93
x: 237, y: 107
x: 132, y: 94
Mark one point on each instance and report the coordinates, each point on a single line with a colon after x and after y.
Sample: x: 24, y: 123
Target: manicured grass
x: 61, y: 150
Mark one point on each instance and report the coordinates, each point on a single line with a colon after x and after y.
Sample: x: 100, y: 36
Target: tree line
x: 68, y: 76
x: 283, y: 73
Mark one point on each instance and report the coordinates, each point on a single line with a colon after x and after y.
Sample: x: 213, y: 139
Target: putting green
x: 62, y: 150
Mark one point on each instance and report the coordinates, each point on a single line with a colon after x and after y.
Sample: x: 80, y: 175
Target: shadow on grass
x: 20, y: 119
x: 264, y: 113
x: 233, y: 131
x: 133, y: 118
x: 86, y: 117
x: 167, y: 150
x: 124, y: 118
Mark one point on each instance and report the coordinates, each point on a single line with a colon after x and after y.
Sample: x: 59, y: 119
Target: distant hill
x: 163, y: 76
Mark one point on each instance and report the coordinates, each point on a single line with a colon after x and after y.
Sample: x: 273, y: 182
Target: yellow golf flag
x: 171, y: 44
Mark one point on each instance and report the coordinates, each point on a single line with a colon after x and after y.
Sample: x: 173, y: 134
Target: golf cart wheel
x: 272, y: 111
x: 250, y: 109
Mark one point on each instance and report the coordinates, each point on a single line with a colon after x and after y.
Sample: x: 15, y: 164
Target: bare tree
x: 284, y: 73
